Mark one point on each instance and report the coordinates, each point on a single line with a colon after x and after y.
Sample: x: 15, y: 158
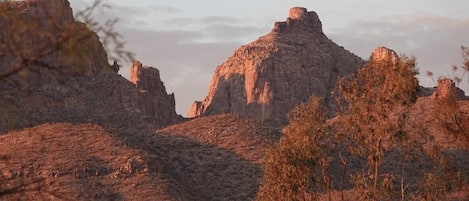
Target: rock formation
x: 447, y: 89
x: 268, y: 77
x: 64, y: 74
x: 384, y: 54
x: 152, y: 98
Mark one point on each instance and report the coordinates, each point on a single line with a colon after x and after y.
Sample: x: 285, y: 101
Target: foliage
x: 369, y: 123
x: 110, y: 38
x: 296, y: 168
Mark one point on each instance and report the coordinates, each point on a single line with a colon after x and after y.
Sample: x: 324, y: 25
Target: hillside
x: 64, y: 161
x: 247, y: 138
x: 231, y: 169
x: 79, y: 162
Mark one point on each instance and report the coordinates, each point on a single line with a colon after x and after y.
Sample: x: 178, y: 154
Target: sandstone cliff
x: 265, y: 79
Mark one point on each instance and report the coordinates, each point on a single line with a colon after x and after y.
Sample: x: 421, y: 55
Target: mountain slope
x: 232, y: 170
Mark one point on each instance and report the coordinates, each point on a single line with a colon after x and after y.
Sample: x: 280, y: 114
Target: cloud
x: 434, y: 40
x: 185, y: 21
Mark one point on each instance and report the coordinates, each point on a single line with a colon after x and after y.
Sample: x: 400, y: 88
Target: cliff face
x: 268, y: 77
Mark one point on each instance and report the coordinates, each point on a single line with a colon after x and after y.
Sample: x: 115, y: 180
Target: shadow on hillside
x: 197, y: 171
x: 453, y: 163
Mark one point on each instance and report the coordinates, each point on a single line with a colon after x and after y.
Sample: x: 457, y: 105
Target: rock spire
x: 152, y: 99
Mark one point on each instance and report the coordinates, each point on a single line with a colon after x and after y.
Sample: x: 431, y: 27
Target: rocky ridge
x: 79, y: 87
x: 265, y: 79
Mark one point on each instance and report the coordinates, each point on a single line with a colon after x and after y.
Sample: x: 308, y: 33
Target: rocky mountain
x: 70, y: 81
x: 265, y: 79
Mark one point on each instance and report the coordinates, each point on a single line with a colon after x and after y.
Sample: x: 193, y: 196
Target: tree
x: 111, y: 39
x: 368, y: 124
x: 297, y: 167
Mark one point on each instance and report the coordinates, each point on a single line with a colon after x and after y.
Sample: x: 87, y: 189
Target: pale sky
x: 187, y: 40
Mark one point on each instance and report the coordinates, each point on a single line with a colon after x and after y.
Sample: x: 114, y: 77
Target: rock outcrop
x: 152, y: 99
x: 268, y: 77
x: 447, y: 89
x: 384, y: 54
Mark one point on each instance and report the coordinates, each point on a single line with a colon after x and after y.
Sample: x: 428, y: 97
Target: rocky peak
x: 152, y: 99
x: 266, y: 78
x: 381, y: 54
x: 447, y: 89
x: 299, y: 19
x: 147, y: 78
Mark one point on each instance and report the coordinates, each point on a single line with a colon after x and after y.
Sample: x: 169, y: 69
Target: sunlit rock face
x: 266, y: 78
x: 384, y: 54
